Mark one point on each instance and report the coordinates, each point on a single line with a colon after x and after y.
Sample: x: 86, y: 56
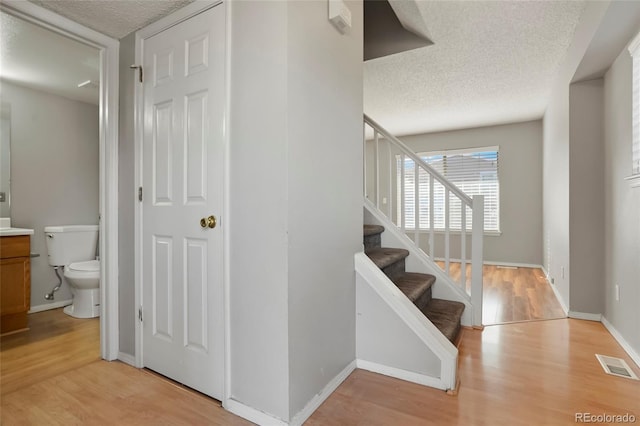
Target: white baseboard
x: 621, y: 341
x: 127, y: 358
x: 317, y: 400
x: 251, y: 414
x: 514, y: 264
x: 263, y: 418
x: 49, y: 306
x: 558, y: 296
x: 408, y: 376
x: 546, y: 273
x: 496, y: 263
x: 585, y: 316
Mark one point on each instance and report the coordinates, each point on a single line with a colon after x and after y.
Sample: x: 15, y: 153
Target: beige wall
x: 520, y: 177
x: 126, y: 198
x: 586, y: 192
x: 5, y: 159
x: 54, y: 172
x: 622, y: 207
x: 556, y: 191
x: 573, y: 194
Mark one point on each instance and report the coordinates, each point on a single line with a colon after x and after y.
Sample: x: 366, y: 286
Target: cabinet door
x: 14, y: 289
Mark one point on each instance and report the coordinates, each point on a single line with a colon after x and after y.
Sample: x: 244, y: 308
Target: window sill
x: 453, y: 232
x: 634, y: 180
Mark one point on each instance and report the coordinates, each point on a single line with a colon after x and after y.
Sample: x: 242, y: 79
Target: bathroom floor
x: 55, y: 343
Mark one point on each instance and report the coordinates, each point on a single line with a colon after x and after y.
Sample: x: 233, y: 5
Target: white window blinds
x: 474, y: 171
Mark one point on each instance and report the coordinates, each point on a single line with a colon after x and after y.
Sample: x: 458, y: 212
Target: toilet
x: 73, y: 247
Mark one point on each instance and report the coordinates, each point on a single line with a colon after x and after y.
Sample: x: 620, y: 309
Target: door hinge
x: 139, y: 193
x: 140, y: 74
x: 140, y: 313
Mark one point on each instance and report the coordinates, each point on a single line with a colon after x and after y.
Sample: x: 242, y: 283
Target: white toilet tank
x: 71, y: 243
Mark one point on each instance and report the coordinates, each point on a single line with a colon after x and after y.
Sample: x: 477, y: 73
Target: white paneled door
x: 183, y: 115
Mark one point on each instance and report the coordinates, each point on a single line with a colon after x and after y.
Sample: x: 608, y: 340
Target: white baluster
x: 432, y: 221
x: 390, y: 191
x: 416, y: 205
x: 446, y: 232
x: 377, y: 169
x: 364, y: 163
x: 463, y: 244
x: 402, y: 195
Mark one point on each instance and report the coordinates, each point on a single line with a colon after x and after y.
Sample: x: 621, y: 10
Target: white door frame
x: 108, y: 157
x: 169, y: 21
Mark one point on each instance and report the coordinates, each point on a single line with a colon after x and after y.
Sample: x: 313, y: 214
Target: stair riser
x: 445, y: 315
x: 372, y: 241
x: 395, y: 269
x: 423, y: 300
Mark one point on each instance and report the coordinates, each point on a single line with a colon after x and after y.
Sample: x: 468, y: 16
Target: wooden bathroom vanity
x: 15, y: 282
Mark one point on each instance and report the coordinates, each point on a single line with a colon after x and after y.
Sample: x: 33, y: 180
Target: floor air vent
x: 616, y: 367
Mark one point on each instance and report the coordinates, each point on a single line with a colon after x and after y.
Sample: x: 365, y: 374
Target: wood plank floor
x: 529, y: 373
x: 513, y: 295
x: 55, y: 343
x: 111, y: 393
x: 515, y: 374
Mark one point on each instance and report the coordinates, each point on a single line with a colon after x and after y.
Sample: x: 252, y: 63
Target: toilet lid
x: 88, y: 266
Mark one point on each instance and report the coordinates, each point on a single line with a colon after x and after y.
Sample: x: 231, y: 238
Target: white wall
x: 54, y: 172
x: 520, y: 176
x: 5, y: 159
x: 622, y: 206
x: 555, y: 154
x: 381, y: 331
x: 324, y: 96
x: 295, y: 206
x: 126, y: 198
x: 259, y: 207
x: 586, y: 193
x: 296, y: 212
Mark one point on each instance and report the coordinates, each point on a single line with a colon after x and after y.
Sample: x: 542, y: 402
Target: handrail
x: 408, y: 152
x: 475, y: 203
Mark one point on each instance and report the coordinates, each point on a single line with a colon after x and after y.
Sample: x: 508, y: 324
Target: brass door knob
x: 208, y: 222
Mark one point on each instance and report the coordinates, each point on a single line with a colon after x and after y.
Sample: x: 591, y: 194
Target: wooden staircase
x: 444, y: 314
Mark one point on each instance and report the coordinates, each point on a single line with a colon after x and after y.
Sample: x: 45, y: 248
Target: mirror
x: 5, y: 159
x: 49, y: 115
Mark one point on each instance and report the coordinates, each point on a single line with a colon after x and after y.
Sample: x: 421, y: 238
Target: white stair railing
x: 386, y: 180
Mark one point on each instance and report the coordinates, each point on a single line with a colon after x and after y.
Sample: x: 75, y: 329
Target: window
x: 634, y: 50
x: 474, y: 171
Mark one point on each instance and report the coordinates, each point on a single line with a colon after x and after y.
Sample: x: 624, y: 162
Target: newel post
x: 477, y: 232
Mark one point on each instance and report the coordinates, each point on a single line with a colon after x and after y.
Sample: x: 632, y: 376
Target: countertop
x: 10, y: 232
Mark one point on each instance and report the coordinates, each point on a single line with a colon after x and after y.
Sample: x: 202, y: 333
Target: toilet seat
x: 86, y: 266
x: 84, y: 274
x: 84, y: 282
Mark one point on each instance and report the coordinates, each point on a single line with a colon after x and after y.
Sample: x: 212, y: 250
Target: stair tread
x: 445, y: 315
x: 372, y: 230
x: 385, y: 256
x: 414, y: 284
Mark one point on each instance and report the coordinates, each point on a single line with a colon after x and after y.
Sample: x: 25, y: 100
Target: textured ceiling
x: 619, y: 25
x: 491, y: 62
x: 43, y: 60
x: 115, y: 18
